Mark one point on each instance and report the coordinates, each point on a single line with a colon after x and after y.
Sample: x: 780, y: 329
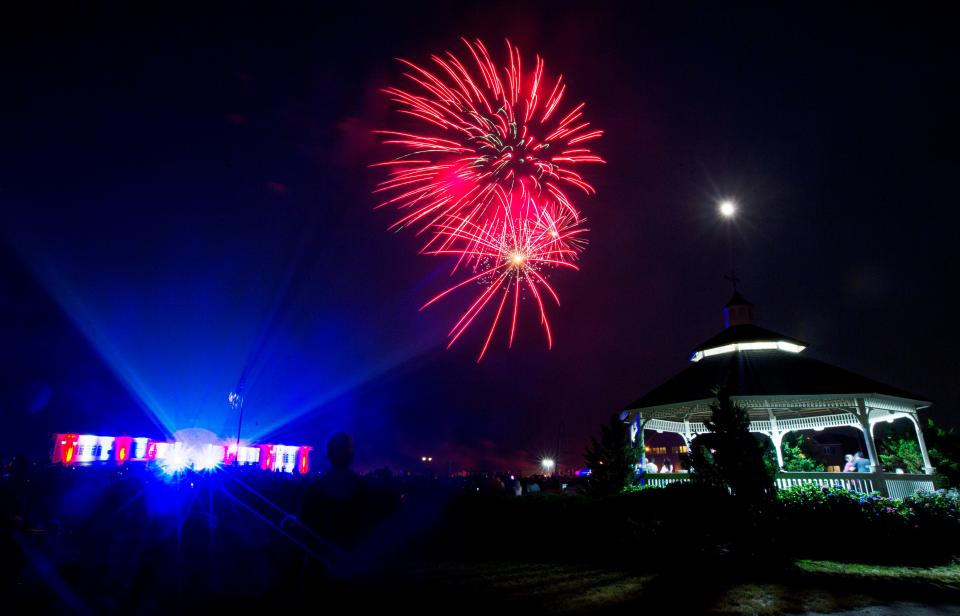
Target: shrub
x: 919, y: 529
x: 689, y: 521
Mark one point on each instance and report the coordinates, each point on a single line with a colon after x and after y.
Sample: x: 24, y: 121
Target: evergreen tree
x: 729, y: 455
x: 612, y: 460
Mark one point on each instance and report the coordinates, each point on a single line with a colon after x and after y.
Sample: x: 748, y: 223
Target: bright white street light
x: 548, y: 464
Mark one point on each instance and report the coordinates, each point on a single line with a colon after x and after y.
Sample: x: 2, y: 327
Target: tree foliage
x: 943, y: 446
x: 900, y: 449
x: 612, y: 460
x: 798, y: 455
x: 729, y: 455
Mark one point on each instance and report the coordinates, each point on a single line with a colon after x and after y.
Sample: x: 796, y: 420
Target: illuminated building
x: 87, y: 449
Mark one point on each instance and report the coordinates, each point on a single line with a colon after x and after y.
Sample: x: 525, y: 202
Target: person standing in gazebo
x: 849, y: 467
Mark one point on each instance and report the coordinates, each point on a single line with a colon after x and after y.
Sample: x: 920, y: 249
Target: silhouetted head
x: 340, y: 450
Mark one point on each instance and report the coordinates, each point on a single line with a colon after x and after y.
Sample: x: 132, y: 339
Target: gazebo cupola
x: 740, y: 334
x: 738, y: 311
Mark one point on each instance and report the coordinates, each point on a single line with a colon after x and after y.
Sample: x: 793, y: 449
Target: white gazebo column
x: 641, y: 441
x: 927, y: 466
x: 863, y: 413
x: 777, y: 437
x: 687, y: 434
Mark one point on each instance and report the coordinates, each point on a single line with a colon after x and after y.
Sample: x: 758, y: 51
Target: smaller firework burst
x: 511, y: 258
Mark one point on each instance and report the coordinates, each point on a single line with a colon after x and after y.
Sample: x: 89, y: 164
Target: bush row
x: 666, y: 527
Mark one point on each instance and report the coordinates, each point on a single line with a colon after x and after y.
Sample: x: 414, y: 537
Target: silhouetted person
x: 335, y: 506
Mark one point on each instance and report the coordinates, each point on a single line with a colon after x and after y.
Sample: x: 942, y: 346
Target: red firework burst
x: 485, y: 177
x: 489, y: 133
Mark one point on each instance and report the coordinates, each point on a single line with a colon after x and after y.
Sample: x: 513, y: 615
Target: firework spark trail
x: 485, y: 177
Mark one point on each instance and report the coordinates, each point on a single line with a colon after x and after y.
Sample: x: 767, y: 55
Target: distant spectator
x: 533, y: 488
x: 849, y: 466
x: 862, y: 464
x: 667, y: 467
x: 650, y: 467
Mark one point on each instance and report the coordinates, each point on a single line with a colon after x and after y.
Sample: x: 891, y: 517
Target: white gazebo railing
x: 899, y: 486
x: 661, y: 480
x: 855, y: 482
x: 886, y: 484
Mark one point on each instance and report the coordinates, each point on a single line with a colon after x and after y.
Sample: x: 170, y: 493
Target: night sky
x: 186, y: 203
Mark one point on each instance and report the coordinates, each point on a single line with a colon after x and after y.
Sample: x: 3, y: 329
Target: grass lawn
x: 946, y: 574
x: 808, y: 587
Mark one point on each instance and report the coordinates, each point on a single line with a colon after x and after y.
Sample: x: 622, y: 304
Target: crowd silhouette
x: 114, y: 538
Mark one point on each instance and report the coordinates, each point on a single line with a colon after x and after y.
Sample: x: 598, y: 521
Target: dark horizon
x: 186, y: 203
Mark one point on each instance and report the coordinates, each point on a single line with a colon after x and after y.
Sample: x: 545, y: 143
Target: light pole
x: 235, y: 400
x: 728, y: 211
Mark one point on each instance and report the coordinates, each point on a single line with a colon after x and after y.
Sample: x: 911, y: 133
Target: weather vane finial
x: 732, y: 277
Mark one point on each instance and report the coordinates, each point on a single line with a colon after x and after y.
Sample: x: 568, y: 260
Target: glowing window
x: 140, y: 451
x: 249, y: 455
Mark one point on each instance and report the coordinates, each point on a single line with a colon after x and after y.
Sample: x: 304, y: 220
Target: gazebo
x: 783, y: 390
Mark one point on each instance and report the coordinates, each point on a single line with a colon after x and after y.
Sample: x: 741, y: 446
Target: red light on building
x: 266, y: 457
x: 64, y: 449
x: 122, y: 446
x: 304, y: 465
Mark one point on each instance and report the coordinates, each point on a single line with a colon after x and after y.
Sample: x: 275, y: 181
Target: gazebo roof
x: 753, y: 362
x: 765, y: 373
